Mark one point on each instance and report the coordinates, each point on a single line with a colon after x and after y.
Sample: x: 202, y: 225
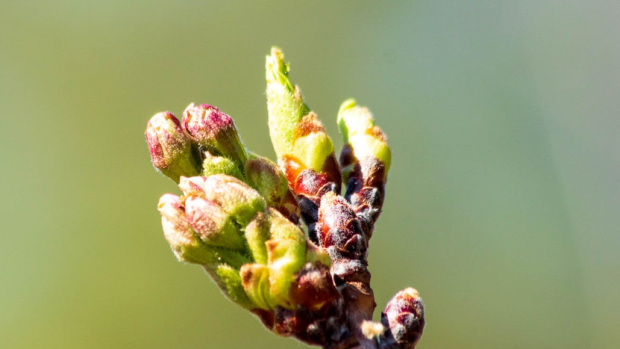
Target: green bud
x: 295, y: 131
x: 266, y: 177
x: 255, y: 281
x: 281, y: 245
x: 311, y: 145
x: 171, y: 151
x: 228, y: 280
x: 256, y: 234
x: 214, y: 130
x: 358, y: 129
x: 286, y: 254
x: 285, y: 258
x: 213, y: 164
x: 284, y: 103
x: 272, y: 225
x: 212, y: 224
x: 235, y: 197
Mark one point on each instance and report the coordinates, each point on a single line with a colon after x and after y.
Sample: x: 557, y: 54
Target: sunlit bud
x: 212, y: 224
x: 214, y: 130
x: 179, y: 234
x: 358, y: 129
x: 171, y: 151
x: 295, y: 131
x: 228, y: 280
x: 311, y: 144
x: 213, y: 164
x: 285, y: 257
x: 255, y: 281
x: 404, y: 315
x: 284, y: 103
x: 187, y: 246
x: 272, y: 225
x: 235, y: 197
x: 280, y: 244
x: 266, y: 177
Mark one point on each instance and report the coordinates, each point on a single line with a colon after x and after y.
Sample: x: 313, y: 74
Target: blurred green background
x: 503, y: 200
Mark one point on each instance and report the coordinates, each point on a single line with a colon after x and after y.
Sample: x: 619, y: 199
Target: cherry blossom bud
x: 404, y: 315
x: 171, y: 151
x: 213, y: 164
x: 264, y: 175
x: 214, y: 130
x: 184, y: 241
x: 212, y: 224
x: 235, y: 197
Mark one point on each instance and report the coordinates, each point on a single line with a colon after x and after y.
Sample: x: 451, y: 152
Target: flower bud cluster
x: 253, y: 252
x: 239, y: 217
x: 205, y: 143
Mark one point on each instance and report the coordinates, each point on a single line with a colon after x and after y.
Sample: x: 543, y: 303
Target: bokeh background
x: 503, y: 199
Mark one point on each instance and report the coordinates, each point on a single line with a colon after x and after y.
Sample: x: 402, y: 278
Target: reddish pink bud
x: 404, y: 315
x: 214, y: 130
x: 338, y: 227
x: 171, y: 151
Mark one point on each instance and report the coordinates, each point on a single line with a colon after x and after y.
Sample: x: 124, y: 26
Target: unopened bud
x: 284, y: 103
x: 235, y: 197
x: 266, y: 177
x: 358, y: 129
x: 339, y: 227
x: 281, y: 245
x: 295, y: 131
x: 285, y: 257
x: 214, y: 130
x: 365, y: 160
x: 213, y: 164
x: 178, y: 232
x: 212, y: 224
x: 311, y: 144
x: 404, y: 315
x: 186, y: 244
x: 171, y: 151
